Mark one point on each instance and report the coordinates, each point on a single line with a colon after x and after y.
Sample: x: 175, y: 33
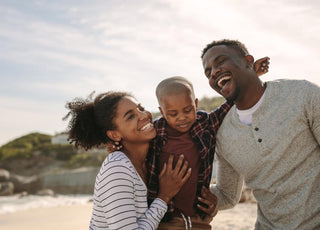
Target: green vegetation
x: 209, y: 104
x: 58, y: 151
x: 22, y: 148
x: 34, y: 145
x: 86, y: 160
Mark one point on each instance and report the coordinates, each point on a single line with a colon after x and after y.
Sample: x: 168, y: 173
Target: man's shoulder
x: 290, y: 82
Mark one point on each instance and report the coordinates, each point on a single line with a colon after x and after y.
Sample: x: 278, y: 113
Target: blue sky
x: 53, y: 51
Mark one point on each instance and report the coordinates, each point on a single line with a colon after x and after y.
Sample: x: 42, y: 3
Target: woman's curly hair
x: 91, y: 119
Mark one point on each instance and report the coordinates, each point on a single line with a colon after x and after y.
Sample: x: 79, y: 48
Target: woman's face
x: 134, y: 124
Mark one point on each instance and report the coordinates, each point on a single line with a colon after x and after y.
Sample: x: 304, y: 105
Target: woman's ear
x: 250, y: 61
x: 114, y: 135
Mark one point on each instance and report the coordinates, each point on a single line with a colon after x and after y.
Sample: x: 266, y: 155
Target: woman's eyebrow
x: 129, y: 111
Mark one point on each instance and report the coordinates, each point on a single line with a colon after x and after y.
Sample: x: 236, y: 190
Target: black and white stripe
x: 120, y: 198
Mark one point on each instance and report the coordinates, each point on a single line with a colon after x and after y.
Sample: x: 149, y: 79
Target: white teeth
x: 146, y: 126
x: 220, y: 82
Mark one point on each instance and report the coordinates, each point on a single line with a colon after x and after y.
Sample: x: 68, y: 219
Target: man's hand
x: 210, y: 201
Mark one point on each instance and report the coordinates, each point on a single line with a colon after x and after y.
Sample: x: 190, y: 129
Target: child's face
x: 179, y: 110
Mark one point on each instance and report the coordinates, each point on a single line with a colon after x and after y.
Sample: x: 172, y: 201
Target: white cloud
x: 56, y: 50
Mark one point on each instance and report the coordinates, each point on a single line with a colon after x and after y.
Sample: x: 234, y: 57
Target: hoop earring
x: 117, y: 145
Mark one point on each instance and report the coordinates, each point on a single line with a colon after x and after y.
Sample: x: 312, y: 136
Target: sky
x: 54, y: 51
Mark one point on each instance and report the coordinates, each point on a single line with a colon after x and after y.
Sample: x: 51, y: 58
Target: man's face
x: 225, y: 69
x: 179, y: 110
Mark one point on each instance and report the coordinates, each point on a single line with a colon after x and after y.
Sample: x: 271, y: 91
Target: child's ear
x: 162, y: 113
x: 196, y: 103
x: 249, y: 60
x: 114, y: 135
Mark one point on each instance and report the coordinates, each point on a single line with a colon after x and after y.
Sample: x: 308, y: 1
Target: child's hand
x: 171, y: 179
x: 210, y: 201
x: 261, y: 66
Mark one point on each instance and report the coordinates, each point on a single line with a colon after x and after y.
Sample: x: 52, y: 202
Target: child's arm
x: 261, y: 66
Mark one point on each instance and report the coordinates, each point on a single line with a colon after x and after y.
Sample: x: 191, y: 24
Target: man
x: 270, y: 139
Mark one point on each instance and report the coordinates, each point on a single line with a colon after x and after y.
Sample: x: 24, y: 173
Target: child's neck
x: 172, y: 132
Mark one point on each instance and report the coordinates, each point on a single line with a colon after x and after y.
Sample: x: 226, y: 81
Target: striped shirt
x: 120, y: 198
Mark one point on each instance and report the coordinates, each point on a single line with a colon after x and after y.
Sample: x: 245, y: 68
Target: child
x: 183, y: 130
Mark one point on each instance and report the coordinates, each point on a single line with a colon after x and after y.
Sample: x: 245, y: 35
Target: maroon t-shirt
x: 178, y: 145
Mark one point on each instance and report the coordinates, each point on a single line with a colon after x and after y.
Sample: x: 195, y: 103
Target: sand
x: 77, y: 217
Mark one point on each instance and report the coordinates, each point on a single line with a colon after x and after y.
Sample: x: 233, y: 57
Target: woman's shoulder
x: 116, y: 161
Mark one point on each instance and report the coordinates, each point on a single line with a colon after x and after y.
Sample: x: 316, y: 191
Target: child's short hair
x: 173, y: 86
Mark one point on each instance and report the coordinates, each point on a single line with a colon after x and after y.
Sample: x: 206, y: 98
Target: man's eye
x: 220, y: 62
x: 207, y: 73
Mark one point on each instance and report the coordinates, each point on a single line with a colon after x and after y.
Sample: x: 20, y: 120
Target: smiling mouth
x: 145, y: 127
x: 223, y: 81
x: 183, y: 125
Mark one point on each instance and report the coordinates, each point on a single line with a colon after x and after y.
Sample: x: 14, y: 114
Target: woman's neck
x: 136, y: 153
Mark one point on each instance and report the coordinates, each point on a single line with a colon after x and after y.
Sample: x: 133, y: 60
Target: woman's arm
x: 116, y: 203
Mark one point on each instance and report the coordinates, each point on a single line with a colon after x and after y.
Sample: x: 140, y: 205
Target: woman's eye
x: 141, y: 108
x: 131, y: 117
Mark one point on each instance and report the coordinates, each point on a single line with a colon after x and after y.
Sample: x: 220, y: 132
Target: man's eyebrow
x: 214, y: 60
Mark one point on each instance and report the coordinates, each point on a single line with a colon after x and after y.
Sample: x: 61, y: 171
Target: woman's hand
x: 171, y: 179
x: 261, y: 66
x: 210, y: 202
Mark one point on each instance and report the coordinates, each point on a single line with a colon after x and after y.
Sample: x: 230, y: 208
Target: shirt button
x: 256, y: 128
x: 259, y: 140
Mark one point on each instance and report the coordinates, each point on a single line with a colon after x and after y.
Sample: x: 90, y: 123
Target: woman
x: 120, y: 195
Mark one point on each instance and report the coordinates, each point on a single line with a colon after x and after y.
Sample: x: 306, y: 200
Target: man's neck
x: 251, y: 97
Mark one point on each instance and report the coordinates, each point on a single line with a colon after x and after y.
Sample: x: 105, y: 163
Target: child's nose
x: 182, y: 117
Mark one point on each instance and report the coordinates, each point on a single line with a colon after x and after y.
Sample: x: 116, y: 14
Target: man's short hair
x: 235, y: 44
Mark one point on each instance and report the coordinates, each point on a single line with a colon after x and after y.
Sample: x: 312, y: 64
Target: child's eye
x: 188, y: 110
x: 172, y: 115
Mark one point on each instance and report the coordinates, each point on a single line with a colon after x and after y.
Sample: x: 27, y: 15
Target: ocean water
x: 10, y: 204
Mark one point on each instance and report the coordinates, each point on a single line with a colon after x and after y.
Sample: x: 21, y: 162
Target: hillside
x: 34, y: 154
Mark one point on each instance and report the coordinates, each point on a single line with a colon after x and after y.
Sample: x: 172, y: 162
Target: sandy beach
x: 77, y: 217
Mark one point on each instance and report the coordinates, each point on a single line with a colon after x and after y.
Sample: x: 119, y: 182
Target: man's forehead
x: 218, y: 50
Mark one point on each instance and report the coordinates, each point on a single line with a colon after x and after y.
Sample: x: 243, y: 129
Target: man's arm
x: 313, y: 110
x: 229, y: 184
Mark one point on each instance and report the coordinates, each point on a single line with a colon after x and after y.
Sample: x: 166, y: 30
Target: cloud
x: 54, y: 51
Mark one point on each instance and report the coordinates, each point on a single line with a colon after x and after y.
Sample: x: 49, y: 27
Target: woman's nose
x: 143, y: 114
